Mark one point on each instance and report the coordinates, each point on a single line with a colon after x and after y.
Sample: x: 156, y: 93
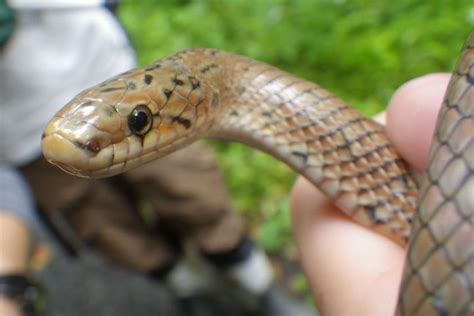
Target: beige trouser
x: 132, y: 218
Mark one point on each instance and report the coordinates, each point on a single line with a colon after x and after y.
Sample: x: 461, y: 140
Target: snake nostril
x: 93, y: 145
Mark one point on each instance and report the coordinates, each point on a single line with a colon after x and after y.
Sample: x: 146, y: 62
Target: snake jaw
x: 59, y: 151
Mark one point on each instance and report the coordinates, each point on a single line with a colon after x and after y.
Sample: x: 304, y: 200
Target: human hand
x: 351, y: 269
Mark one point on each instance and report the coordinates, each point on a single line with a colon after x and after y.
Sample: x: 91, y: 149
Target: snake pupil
x: 139, y: 120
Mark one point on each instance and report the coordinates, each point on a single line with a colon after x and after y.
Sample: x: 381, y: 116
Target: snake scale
x: 146, y: 113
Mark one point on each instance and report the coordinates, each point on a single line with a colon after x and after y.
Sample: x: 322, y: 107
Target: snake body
x: 149, y: 112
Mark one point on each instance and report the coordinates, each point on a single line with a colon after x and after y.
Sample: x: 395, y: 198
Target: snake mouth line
x: 69, y: 169
x: 75, y: 158
x: 72, y: 157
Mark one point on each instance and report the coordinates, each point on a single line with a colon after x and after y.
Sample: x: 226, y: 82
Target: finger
x: 411, y: 116
x: 345, y: 263
x: 351, y: 269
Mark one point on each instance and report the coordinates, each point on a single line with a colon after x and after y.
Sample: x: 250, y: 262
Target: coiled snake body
x: 146, y: 113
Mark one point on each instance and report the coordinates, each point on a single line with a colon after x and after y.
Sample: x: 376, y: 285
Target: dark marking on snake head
x: 142, y: 140
x: 152, y: 67
x: 299, y: 154
x: 194, y: 82
x: 110, y: 89
x: 234, y: 113
x: 148, y: 79
x: 208, y: 68
x: 180, y: 55
x: 131, y: 85
x: 215, y: 100
x: 240, y: 90
x: 178, y: 82
x: 183, y: 121
x: 167, y: 93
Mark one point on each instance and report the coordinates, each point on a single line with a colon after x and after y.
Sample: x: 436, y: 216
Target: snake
x: 148, y: 112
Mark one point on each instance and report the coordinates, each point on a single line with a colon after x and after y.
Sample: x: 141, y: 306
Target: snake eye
x: 140, y: 120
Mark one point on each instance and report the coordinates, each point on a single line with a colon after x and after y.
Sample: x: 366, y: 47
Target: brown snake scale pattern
x: 440, y: 260
x: 149, y: 112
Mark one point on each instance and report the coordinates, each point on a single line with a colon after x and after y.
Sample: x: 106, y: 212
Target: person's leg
x: 103, y: 214
x: 188, y: 192
x: 110, y: 224
x: 17, y: 217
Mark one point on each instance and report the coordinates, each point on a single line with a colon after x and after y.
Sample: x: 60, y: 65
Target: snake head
x: 124, y: 122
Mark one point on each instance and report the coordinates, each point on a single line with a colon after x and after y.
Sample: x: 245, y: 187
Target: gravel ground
x: 87, y: 284
x: 91, y: 286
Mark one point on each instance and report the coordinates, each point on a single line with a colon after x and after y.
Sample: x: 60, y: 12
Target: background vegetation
x: 361, y: 50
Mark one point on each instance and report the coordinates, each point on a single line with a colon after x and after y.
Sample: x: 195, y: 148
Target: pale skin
x: 352, y: 270
x: 15, y: 249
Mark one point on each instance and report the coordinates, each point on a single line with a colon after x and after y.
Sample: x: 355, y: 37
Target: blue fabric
x: 16, y: 198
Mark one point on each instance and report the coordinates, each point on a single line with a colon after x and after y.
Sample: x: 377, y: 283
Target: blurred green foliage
x: 361, y: 50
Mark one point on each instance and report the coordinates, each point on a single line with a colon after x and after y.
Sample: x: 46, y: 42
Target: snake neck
x: 344, y: 154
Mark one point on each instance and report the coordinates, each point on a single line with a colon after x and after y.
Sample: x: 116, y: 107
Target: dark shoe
x: 275, y: 302
x: 207, y: 304
x: 28, y: 294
